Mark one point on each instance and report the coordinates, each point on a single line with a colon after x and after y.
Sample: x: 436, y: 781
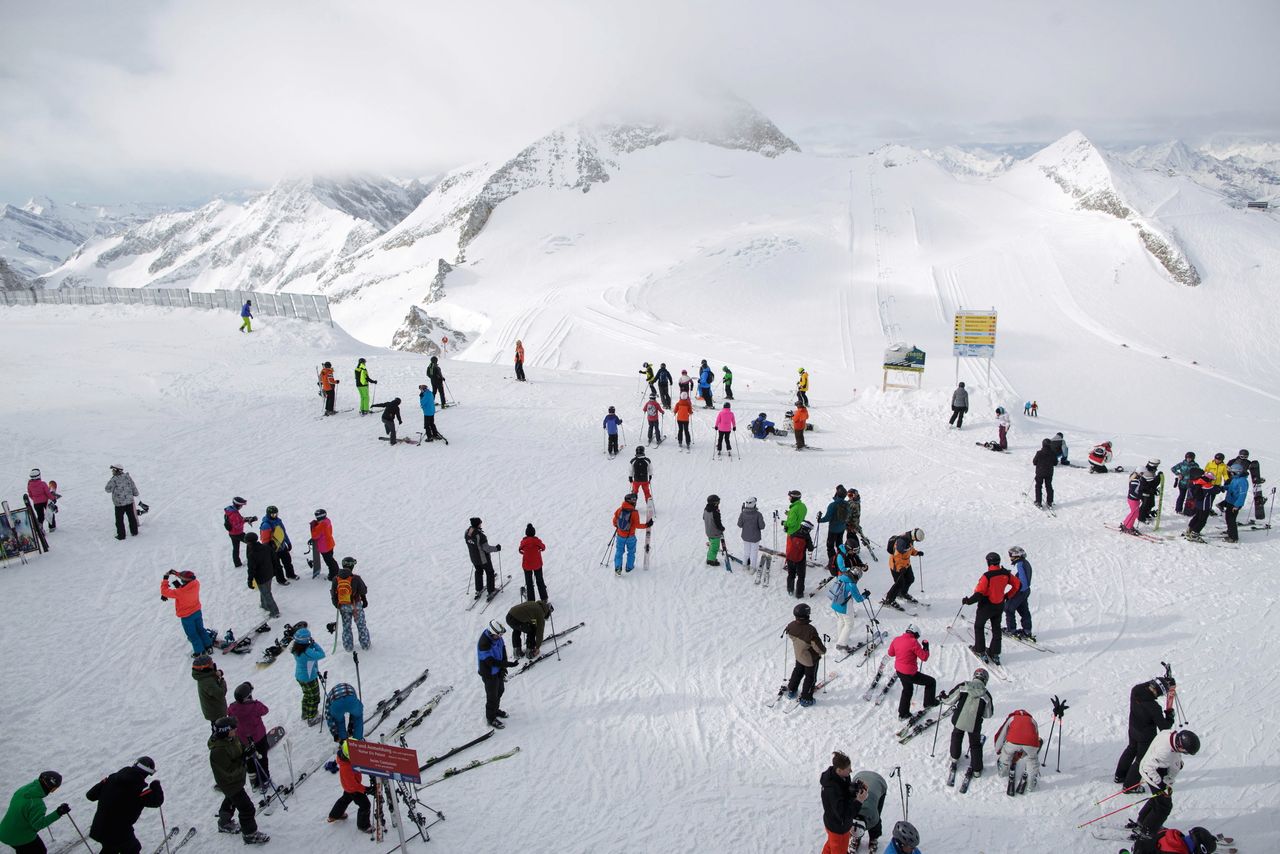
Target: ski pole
x: 735, y: 438
x: 262, y: 775
x: 906, y: 807
x: 78, y: 833
x: 1048, y: 742
x: 609, y: 548
x: 554, y: 640
x: 1118, y: 794
x: 1061, y: 726
x: 355, y: 656
x: 164, y: 828
x: 337, y: 618
x: 953, y: 619
x: 1123, y: 808
x: 902, y: 796
x: 921, y: 572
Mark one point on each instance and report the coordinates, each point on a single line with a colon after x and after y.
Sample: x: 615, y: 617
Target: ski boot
x: 993, y: 659
x: 806, y: 702
x: 228, y: 825
x: 256, y: 838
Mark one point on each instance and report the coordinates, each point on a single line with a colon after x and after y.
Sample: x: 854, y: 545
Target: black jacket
x: 121, y: 798
x: 258, y: 561
x: 478, y: 548
x: 359, y: 592
x: 1146, y: 718
x: 664, y: 376
x: 434, y: 373
x: 390, y: 410
x: 640, y: 469
x: 1055, y: 445
x: 1045, y: 460
x: 839, y: 807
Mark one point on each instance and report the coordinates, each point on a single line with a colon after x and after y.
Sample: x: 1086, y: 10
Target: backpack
x: 624, y: 519
x: 640, y: 468
x: 343, y: 587
x: 888, y: 547
x: 226, y: 521
x: 838, y: 593
x: 841, y: 515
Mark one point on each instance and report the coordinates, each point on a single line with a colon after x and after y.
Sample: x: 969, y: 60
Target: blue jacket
x: 344, y: 704
x: 760, y: 428
x: 705, y: 378
x: 830, y: 515
x: 850, y: 586
x: 1181, y: 470
x: 279, y: 541
x: 894, y: 849
x: 1023, y: 570
x: 490, y: 651
x: 305, y: 668
x: 427, y: 401
x: 1237, y: 491
x: 611, y: 423
x: 245, y: 311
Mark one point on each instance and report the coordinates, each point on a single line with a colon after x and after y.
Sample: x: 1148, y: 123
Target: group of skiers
x: 391, y: 417
x: 1197, y: 488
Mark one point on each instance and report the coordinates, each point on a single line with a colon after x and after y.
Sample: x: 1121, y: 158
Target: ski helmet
x: 50, y: 780
x: 913, y: 629
x: 1244, y: 453
x: 273, y: 510
x: 762, y: 415
x: 328, y: 365
x: 348, y: 563
x: 713, y: 499
x: 244, y: 691
x: 1236, y: 468
x: 630, y: 498
x: 496, y: 628
x: 982, y: 675
x: 117, y: 469
x: 794, y: 495
x: 612, y: 410
x: 35, y: 473
x: 905, y: 836
x: 238, y: 501
x: 801, y: 611
x: 1153, y: 463
x: 640, y: 451
x: 1186, y: 741
x: 1189, y: 455
x: 320, y: 514
x: 993, y: 559
x: 749, y: 504
x: 1205, y: 841
x: 790, y: 413
x: 146, y: 765
x: 726, y: 405
x: 662, y: 365
x: 361, y: 361
x: 653, y: 395
x: 1017, y: 552
x: 918, y: 535
x: 801, y: 371
x: 806, y: 525
x: 224, y: 725
x: 1219, y: 457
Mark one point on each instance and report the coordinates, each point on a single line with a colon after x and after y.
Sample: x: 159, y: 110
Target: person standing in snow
x: 479, y: 550
x: 390, y: 417
x: 350, y: 596
x: 841, y: 591
x: 1152, y: 483
x: 491, y: 655
x: 273, y: 534
x: 436, y: 376
x: 353, y: 792
x: 1218, y: 468
x: 1146, y: 719
x: 226, y: 759
x: 1237, y: 493
x: 652, y: 411
x: 908, y: 653
x: 1026, y: 409
x: 531, y: 549
x: 626, y: 521
x: 684, y: 411
x: 26, y: 816
x: 642, y: 475
x: 649, y: 377
x: 799, y: 418
x: 185, y: 593
x: 246, y: 316
x: 520, y: 360
x: 1016, y: 605
x: 322, y: 538
x: 1134, y: 497
x: 1160, y: 767
x: 959, y: 406
x: 123, y: 491
x: 705, y: 378
x: 1202, y: 492
x: 38, y: 492
x: 836, y: 517
x: 725, y: 424
x: 427, y: 401
x: 799, y: 545
x: 234, y: 523
x: 971, y: 704
x: 1019, y: 738
x: 714, y: 529
x: 252, y: 732
x: 1060, y: 450
x: 664, y: 385
x: 1182, y: 479
x: 796, y: 513
x: 995, y: 586
x: 751, y: 522
x: 809, y: 650
x: 328, y: 387
x: 854, y: 538
x: 901, y: 549
x: 1044, y: 461
x: 686, y: 383
x: 727, y: 380
x: 802, y: 389
x: 306, y: 670
x: 363, y: 381
x: 211, y: 687
x: 528, y: 622
x: 121, y: 798
x: 869, y: 821
x: 1035, y: 409
x: 842, y: 799
x: 1099, y: 458
x: 611, y: 424
x: 344, y: 713
x: 261, y: 572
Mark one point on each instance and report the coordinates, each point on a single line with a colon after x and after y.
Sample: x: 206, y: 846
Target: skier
x: 363, y: 381
x: 528, y: 621
x: 796, y: 513
x: 705, y: 378
x: 26, y: 816
x: 959, y: 406
x: 762, y: 428
x: 1202, y: 492
x: 390, y: 417
x: 751, y: 521
x: 901, y: 549
x: 799, y: 418
x: 1026, y: 409
x: 491, y: 655
x: 1016, y: 605
x: 1059, y: 447
x: 995, y: 586
x: 350, y: 596
x: 436, y: 376
x: 808, y: 650
x: 234, y: 524
x: 353, y: 791
x: 273, y: 534
x: 799, y: 545
x: 520, y: 360
x: 650, y: 378
x: 664, y: 385
x: 322, y: 539
x: 1182, y: 478
x: 1002, y: 427
x: 842, y: 799
x: 836, y: 517
x: 1145, y: 720
x: 908, y: 653
x: 1152, y: 482
x: 971, y: 702
x: 1218, y: 468
x: 1035, y: 409
x: 1160, y: 767
x: 328, y: 386
x: 854, y: 538
x: 531, y: 549
x: 641, y: 475
x: 38, y: 492
x: 123, y: 491
x: 611, y: 424
x: 344, y: 713
x: 869, y: 821
x: 714, y: 529
x: 479, y: 550
x: 1044, y: 461
x: 1237, y: 493
x: 1197, y: 840
x: 261, y: 572
x: 725, y: 424
x: 626, y: 521
x: 843, y: 589
x: 686, y: 383
x: 1134, y: 497
x: 1099, y: 457
x: 249, y: 713
x: 906, y: 839
x: 246, y: 316
x: 802, y: 389
x: 1019, y: 738
x: 684, y: 412
x: 121, y: 798
x: 652, y: 411
x: 306, y: 670
x: 211, y: 688
x: 226, y: 758
x: 727, y: 379
x: 185, y: 593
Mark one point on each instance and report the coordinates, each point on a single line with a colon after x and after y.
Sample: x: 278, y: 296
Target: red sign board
x: 384, y: 760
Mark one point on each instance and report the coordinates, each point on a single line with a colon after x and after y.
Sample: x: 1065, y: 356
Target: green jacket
x: 728, y: 376
x: 362, y: 376
x: 795, y: 515
x: 213, y: 693
x: 25, y: 817
x: 226, y: 758
x: 530, y: 614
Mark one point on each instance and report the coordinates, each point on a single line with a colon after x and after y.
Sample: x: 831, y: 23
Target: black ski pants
x: 909, y: 681
x: 1230, y: 515
x: 1198, y: 520
x: 484, y: 577
x: 39, y: 506
x: 236, y: 540
x: 655, y: 432
x: 613, y: 443
x: 330, y: 564
x: 1146, y: 507
x: 35, y: 846
x: 705, y: 393
x: 802, y: 397
x: 902, y: 582
x: 239, y: 802
x: 259, y: 766
x: 975, y: 747
x: 122, y: 513
x: 957, y: 416
x: 520, y: 369
x: 522, y: 636
x: 664, y: 392
x: 795, y: 578
x: 328, y: 401
x: 682, y: 432
x: 1131, y: 758
x: 532, y: 577
x: 360, y: 799
x: 1045, y: 482
x: 437, y: 388
x: 429, y: 431
x: 389, y: 425
x: 988, y: 614
x: 728, y: 390
x: 1182, y: 496
x: 722, y: 438
x: 282, y: 562
x: 834, y: 539
x: 807, y: 672
x: 493, y: 688
x: 1155, y: 811
x: 125, y: 842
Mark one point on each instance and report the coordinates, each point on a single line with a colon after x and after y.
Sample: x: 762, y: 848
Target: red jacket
x: 38, y: 491
x: 797, y: 544
x: 996, y: 585
x: 531, y: 549
x: 1019, y: 728
x: 635, y: 520
x: 1172, y: 842
x: 907, y: 654
x: 322, y: 533
x: 351, y: 781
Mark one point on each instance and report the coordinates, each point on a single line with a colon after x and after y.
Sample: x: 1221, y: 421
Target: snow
x: 651, y: 733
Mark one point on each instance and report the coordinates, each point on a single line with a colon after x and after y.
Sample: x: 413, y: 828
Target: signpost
x: 975, y: 338
x: 903, y: 359
x: 386, y: 762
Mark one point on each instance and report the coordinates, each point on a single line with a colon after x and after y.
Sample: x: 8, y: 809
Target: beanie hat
x: 529, y: 531
x: 475, y: 521
x: 302, y: 636
x: 145, y: 764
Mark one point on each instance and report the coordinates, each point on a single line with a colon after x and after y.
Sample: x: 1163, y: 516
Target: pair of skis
x: 490, y: 596
x: 866, y: 646
x: 875, y: 680
x: 543, y: 657
x: 418, y: 715
x: 968, y: 774
x: 478, y: 763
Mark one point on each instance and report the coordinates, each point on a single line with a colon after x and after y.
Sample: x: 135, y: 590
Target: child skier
x: 626, y: 521
x: 799, y: 545
x: 353, y: 792
x: 641, y: 475
x: 727, y: 380
x: 725, y: 424
x: 714, y: 528
x: 246, y: 316
x: 684, y: 411
x: 652, y: 412
x: 306, y: 669
x: 249, y: 713
x: 611, y: 424
x: 390, y: 417
x: 1099, y: 458
x: 1016, y: 606
x: 344, y: 713
x: 762, y: 428
x: 901, y: 549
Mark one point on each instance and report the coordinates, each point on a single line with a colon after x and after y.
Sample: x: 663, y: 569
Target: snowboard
x: 400, y: 440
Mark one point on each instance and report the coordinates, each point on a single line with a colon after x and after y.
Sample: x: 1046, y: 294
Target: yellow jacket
x: 803, y: 385
x: 1218, y: 470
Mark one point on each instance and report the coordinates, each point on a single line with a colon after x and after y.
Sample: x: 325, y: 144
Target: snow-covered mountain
x: 11, y: 278
x: 1225, y: 169
x: 38, y: 236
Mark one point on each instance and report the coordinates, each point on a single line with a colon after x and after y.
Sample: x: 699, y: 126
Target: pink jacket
x: 725, y: 420
x: 907, y: 652
x: 38, y: 490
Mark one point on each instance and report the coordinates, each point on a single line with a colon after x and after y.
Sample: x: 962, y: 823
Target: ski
x: 1137, y: 535
x: 36, y: 524
x: 875, y: 680
x: 808, y: 561
x: 993, y: 668
x: 453, y: 772
x: 557, y: 635
x: 888, y: 686
x: 951, y: 773
x: 494, y: 595
x: 384, y: 707
x: 897, y: 606
x: 861, y: 645
x: 782, y: 689
x: 821, y: 686
x: 453, y: 751
x: 187, y: 837
x: 524, y: 667
x: 964, y: 784
x: 173, y: 832
x: 1045, y: 508
x: 1029, y: 640
x: 912, y: 721
x: 240, y: 645
x: 400, y: 440
x: 418, y: 715
x: 821, y: 584
x: 647, y: 531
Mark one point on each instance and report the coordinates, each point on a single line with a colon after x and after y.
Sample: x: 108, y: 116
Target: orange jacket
x: 186, y: 599
x: 351, y: 780
x: 635, y: 520
x: 898, y: 561
x: 327, y: 382
x: 519, y: 352
x: 683, y: 410
x: 799, y: 418
x: 996, y: 585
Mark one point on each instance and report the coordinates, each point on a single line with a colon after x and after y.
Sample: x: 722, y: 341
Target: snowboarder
x: 1160, y: 767
x: 390, y: 417
x: 611, y: 424
x: 626, y: 521
x: 1197, y: 840
x: 836, y: 517
x: 714, y: 529
x: 328, y: 387
x: 528, y: 621
x: 353, y: 792
x: 26, y: 816
x: 651, y: 378
x: 642, y: 475
x: 531, y: 549
x: 427, y: 402
x: 1182, y: 479
x: 971, y: 702
x: 652, y: 412
x: 1099, y: 458
x: 185, y: 593
x: 38, y: 492
x: 1045, y: 460
x: 520, y: 360
x: 1152, y: 483
x: 1060, y: 450
x: 234, y: 524
x: 1202, y: 492
x: 1002, y: 430
x: 249, y: 713
x: 705, y: 378
x: 799, y: 545
x: 261, y: 572
x: 344, y: 713
x: 995, y: 586
x: 842, y: 799
x: 841, y: 591
x: 121, y: 798
x: 322, y: 539
x: 685, y: 384
x: 869, y: 822
x: 664, y: 385
x: 1016, y: 606
x: 959, y: 406
x: 123, y: 491
x: 211, y: 688
x: 1237, y: 493
x: 802, y: 389
x: 1146, y: 719
x: 684, y: 412
x: 727, y: 380
x: 901, y: 549
x: 246, y: 316
x: 275, y: 536
x: 762, y: 428
x: 1019, y: 739
x: 908, y: 653
x: 796, y: 513
x: 1134, y: 497
x: 479, y: 550
x: 725, y: 424
x: 799, y: 418
x: 350, y: 596
x: 363, y: 381
x: 491, y: 655
x: 436, y: 376
x: 751, y: 522
x: 306, y: 670
x: 226, y: 758
x: 808, y: 648
x: 906, y: 839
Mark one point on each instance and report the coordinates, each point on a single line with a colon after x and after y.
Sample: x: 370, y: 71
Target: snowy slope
x: 38, y: 236
x: 650, y: 734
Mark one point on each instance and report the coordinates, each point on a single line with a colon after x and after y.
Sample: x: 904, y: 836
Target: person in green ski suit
x: 226, y: 760
x: 714, y: 528
x: 362, y: 386
x: 728, y: 382
x: 795, y: 513
x: 211, y: 686
x: 26, y: 815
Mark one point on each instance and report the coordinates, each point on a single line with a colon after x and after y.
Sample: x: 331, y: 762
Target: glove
x: 373, y: 382
x: 497, y: 548
x: 919, y: 553
x: 924, y: 645
x: 251, y: 520
x: 651, y: 521
x: 250, y: 583
x: 1059, y: 706
x: 63, y: 809
x: 866, y: 594
x: 311, y: 543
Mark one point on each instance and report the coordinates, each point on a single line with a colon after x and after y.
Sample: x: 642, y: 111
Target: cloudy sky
x: 167, y: 101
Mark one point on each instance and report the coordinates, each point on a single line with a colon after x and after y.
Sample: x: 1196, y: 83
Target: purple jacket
x: 249, y: 725
x: 725, y: 420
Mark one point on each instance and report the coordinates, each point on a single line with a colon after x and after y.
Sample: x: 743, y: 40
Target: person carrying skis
x: 1159, y: 768
x: 1182, y: 479
x: 726, y: 423
x: 650, y: 378
x: 306, y: 670
x: 799, y: 545
x: 686, y: 383
x: 901, y: 549
x: 796, y: 513
x: 1237, y: 493
x: 121, y: 798
x: 808, y: 648
x: 802, y: 389
x: 226, y: 758
x: 390, y: 417
x: 705, y: 378
x: 1197, y: 840
x: 727, y: 380
x: 1019, y: 738
x: 427, y: 402
x: 38, y: 492
x: 995, y: 586
x: 1202, y: 492
x: 350, y: 596
x: 841, y: 591
x: 436, y: 376
x: 908, y: 653
x: 1099, y: 458
x: 1044, y: 461
x: 185, y: 593
x: 322, y: 539
x: 123, y: 491
x: 234, y: 524
x: 799, y: 418
x: 328, y: 387
x: 211, y: 688
x: 684, y: 412
x: 246, y: 316
x: 344, y: 713
x: 836, y: 517
x: 26, y: 816
x: 1016, y: 606
x: 249, y: 713
x: 971, y: 702
x: 528, y: 622
x: 491, y: 656
x: 626, y: 521
x: 353, y: 792
x: 1059, y: 447
x: 664, y: 384
x: 531, y: 549
x: 261, y: 572
x: 520, y: 360
x: 479, y: 550
x: 751, y: 522
x: 762, y: 428
x: 611, y: 424
x: 1146, y: 719
x: 842, y: 799
x: 905, y: 839
x: 652, y: 412
x: 1002, y: 429
x: 714, y: 529
x: 642, y: 475
x: 363, y: 381
x: 273, y: 534
x: 1134, y: 497
x: 1152, y: 483
x: 959, y: 406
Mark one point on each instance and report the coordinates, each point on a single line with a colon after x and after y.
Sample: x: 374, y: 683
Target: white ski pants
x: 1030, y: 759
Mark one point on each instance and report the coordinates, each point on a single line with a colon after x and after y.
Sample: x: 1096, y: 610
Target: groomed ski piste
x: 650, y: 733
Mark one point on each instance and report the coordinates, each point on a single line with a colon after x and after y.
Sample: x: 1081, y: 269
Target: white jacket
x: 1003, y: 420
x: 1162, y: 763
